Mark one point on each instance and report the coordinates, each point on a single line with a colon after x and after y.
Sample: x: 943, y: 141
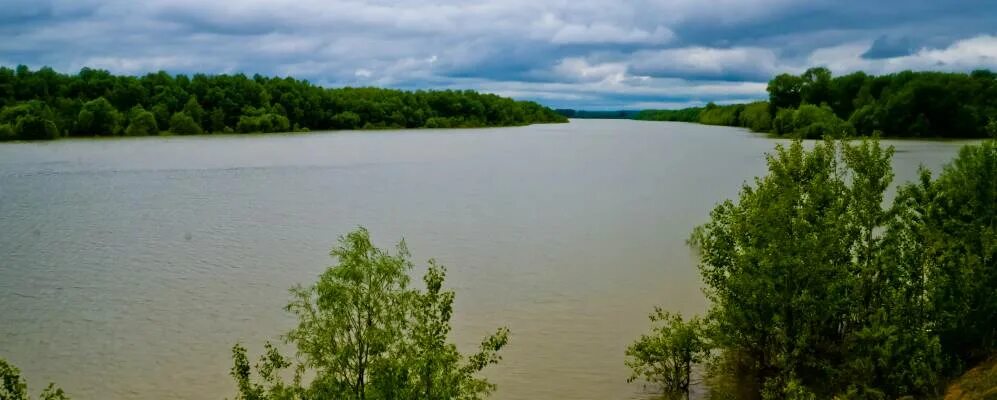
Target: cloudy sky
x: 592, y: 54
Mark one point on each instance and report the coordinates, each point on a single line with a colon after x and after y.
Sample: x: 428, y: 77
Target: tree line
x: 46, y: 104
x: 596, y: 114
x: 820, y: 289
x: 816, y: 103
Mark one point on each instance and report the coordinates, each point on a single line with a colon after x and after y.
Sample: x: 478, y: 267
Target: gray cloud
x: 582, y: 53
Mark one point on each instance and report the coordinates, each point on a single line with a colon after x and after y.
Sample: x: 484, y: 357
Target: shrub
x: 183, y: 124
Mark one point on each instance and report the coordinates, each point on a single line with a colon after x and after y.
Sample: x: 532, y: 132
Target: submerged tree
x: 363, y: 334
x: 667, y: 355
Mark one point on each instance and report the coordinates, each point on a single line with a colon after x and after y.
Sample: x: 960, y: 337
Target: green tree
x: 951, y: 237
x: 437, y: 369
x: 183, y: 124
x: 92, y: 102
x: 194, y: 110
x: 13, y: 386
x: 216, y: 120
x: 162, y: 113
x: 816, y: 88
x: 667, y: 355
x: 363, y: 334
x: 32, y: 120
x: 801, y: 285
x: 346, y: 120
x: 350, y: 319
x: 785, y: 91
x: 141, y: 123
x: 33, y: 127
x: 98, y: 117
x: 756, y: 116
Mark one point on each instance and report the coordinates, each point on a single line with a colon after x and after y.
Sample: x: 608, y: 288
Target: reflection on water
x: 129, y: 267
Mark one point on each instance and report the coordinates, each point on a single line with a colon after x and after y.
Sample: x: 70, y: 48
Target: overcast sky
x: 590, y: 54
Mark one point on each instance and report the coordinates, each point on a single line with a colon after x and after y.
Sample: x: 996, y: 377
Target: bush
x: 441, y: 122
x: 32, y: 120
x: 263, y: 123
x: 713, y: 114
x: 668, y: 354
x: 755, y: 116
x: 33, y: 127
x: 98, y: 117
x: 183, y: 124
x: 783, y: 123
x: 346, y: 120
x: 142, y: 123
x: 811, y: 122
x: 7, y: 132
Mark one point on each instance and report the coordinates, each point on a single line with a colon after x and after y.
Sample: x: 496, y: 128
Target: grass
x: 979, y: 383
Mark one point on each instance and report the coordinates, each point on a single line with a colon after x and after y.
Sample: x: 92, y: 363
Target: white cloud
x: 962, y: 55
x: 705, y: 61
x: 579, y: 69
x: 565, y: 51
x: 556, y: 30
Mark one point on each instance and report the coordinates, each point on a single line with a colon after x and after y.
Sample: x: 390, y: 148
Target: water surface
x: 129, y: 267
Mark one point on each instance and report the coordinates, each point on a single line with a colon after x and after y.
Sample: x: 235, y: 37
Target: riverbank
x: 979, y: 383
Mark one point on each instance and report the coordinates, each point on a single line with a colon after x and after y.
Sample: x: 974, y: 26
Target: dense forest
x: 594, y: 114
x: 815, y: 103
x: 45, y: 104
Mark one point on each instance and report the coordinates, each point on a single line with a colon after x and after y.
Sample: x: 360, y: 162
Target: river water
x: 129, y: 267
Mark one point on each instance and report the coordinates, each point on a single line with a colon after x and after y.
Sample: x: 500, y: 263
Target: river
x: 129, y: 267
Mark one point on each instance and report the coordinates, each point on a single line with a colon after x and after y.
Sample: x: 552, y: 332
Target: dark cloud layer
x: 580, y: 53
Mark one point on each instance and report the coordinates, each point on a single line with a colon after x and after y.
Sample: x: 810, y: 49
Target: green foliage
x: 7, y: 132
x: 13, y: 386
x: 951, y: 237
x: 364, y: 334
x: 194, y: 110
x: 260, y: 122
x: 902, y: 104
x: 183, y: 124
x: 785, y: 91
x: 439, y: 122
x: 98, y: 117
x: 92, y: 103
x: 141, y: 123
x: 346, y: 120
x: 817, y: 291
x: 811, y: 122
x: 755, y: 116
x: 598, y: 114
x: 32, y: 127
x: 914, y: 104
x: 668, y: 355
x: 682, y: 115
x: 32, y: 120
x: 816, y: 86
x: 713, y: 114
x: 162, y: 113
